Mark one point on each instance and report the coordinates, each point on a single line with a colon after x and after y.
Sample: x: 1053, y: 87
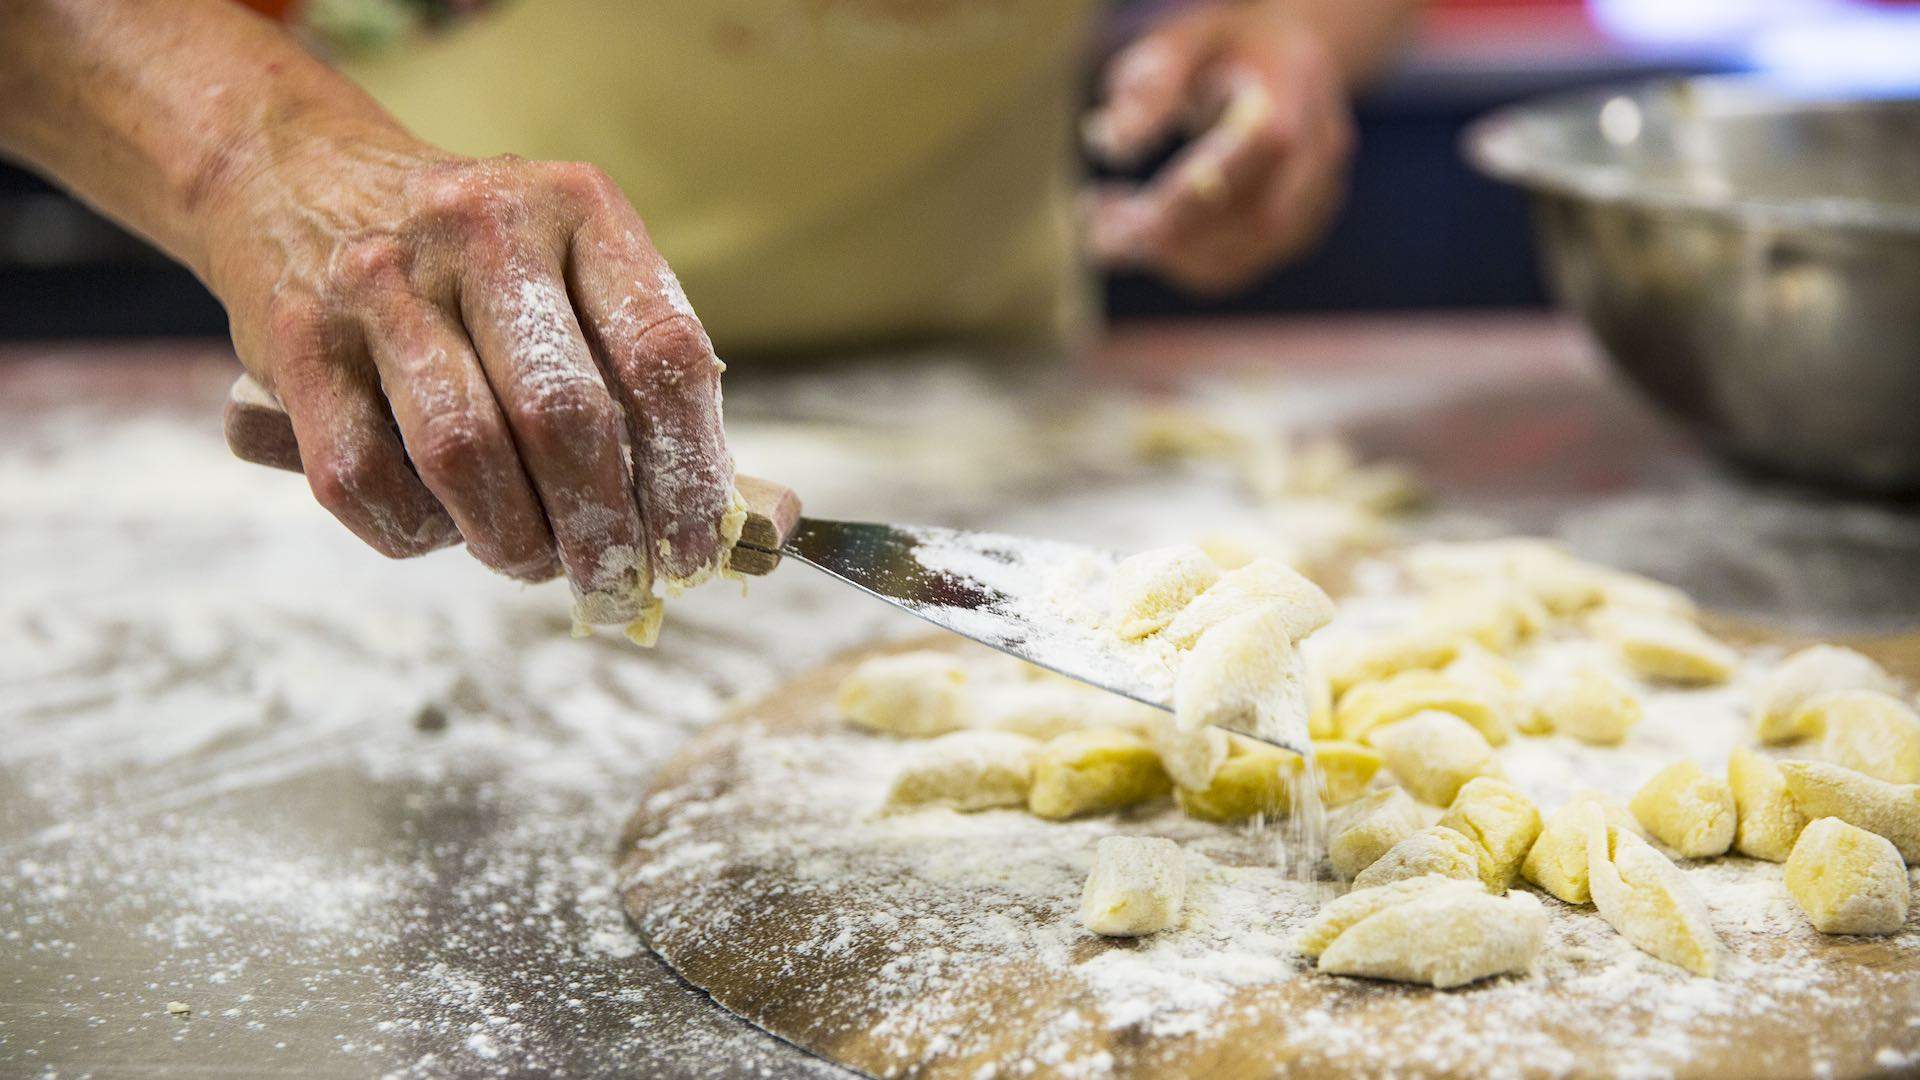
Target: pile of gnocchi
x: 1406, y: 724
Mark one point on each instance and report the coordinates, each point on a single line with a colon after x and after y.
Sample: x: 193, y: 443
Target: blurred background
x: 1420, y: 229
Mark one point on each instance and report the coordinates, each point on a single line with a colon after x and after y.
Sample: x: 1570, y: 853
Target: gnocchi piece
x: 1147, y: 590
x: 1346, y: 768
x: 1592, y: 705
x: 1371, y: 706
x: 1190, y: 755
x: 1687, y: 810
x: 1258, y: 779
x: 1560, y: 581
x: 1369, y: 828
x: 920, y: 694
x: 1440, y: 932
x: 1320, y: 723
x: 1496, y: 679
x: 1246, y: 676
x: 967, y: 770
x: 1866, y: 731
x: 1666, y: 649
x: 1821, y: 789
x: 1436, y: 849
x: 1376, y: 657
x: 1092, y: 772
x: 1433, y: 754
x: 1620, y: 590
x: 1769, y: 822
x: 1495, y: 617
x: 1847, y: 880
x: 1137, y: 886
x: 1304, y: 607
x: 1502, y: 824
x: 1807, y: 674
x: 1557, y: 862
x: 1649, y: 900
x: 1039, y: 710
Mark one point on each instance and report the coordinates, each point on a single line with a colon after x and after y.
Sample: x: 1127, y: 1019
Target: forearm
x: 156, y: 110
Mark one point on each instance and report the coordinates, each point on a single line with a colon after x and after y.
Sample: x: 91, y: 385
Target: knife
x: 1002, y: 591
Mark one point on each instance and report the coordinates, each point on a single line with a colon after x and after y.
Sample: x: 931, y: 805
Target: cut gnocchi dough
x: 1147, y: 590
x: 967, y: 770
x: 1436, y: 849
x: 1433, y: 930
x: 1137, y: 886
x: 1374, y: 705
x: 1496, y: 680
x: 1092, y: 772
x: 1256, y: 779
x: 1346, y: 768
x: 1304, y: 607
x: 1501, y: 823
x: 1821, y: 789
x: 1592, y: 705
x: 1557, y: 862
x: 1044, y: 709
x: 1866, y: 731
x: 1687, y: 810
x: 918, y: 694
x: 1190, y: 755
x: 1495, y: 617
x: 1369, y: 828
x: 1848, y: 880
x: 1649, y: 900
x: 1807, y: 674
x: 1245, y: 675
x: 1434, y: 753
x: 1665, y: 649
x: 1376, y: 657
x: 1769, y: 822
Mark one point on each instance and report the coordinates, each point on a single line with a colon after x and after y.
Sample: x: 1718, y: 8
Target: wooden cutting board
x: 755, y: 888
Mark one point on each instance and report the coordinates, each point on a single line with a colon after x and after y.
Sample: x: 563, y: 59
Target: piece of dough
x: 1094, y: 771
x: 1147, y: 590
x: 1369, y: 827
x: 1496, y: 617
x: 1815, y: 670
x: 1346, y: 768
x: 1137, y: 886
x: 1039, y: 709
x: 1313, y: 670
x: 1622, y: 591
x: 1649, y: 900
x: 1371, y: 706
x: 1431, y: 930
x: 1436, y: 849
x: 1769, y: 820
x: 1433, y: 753
x: 1190, y: 755
x: 1255, y: 779
x: 1592, y: 705
x: 1304, y: 607
x: 1821, y: 789
x: 1501, y: 822
x: 1562, y: 583
x: 1246, y: 676
x: 1688, y: 810
x: 1664, y: 648
x: 1848, y: 880
x: 967, y: 770
x: 1557, y: 862
x: 920, y: 694
x: 1344, y: 912
x: 1499, y: 682
x: 1866, y: 731
x: 1378, y: 656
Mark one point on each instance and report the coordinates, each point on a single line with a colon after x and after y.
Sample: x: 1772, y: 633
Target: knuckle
x: 557, y: 412
x: 293, y: 318
x: 584, y: 182
x: 340, y: 481
x: 371, y: 262
x: 675, y: 350
x: 464, y: 198
x: 453, y: 449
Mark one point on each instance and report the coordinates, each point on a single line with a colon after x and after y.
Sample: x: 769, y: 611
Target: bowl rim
x: 1495, y: 144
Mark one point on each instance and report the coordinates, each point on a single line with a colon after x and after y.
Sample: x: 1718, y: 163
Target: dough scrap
x: 1379, y: 656
x: 1557, y: 862
x: 1304, y: 607
x: 967, y: 770
x: 1370, y: 827
x: 1495, y: 617
x: 919, y: 694
x: 1245, y: 675
x: 1147, y: 590
x: 1255, y: 779
x: 1137, y: 886
x: 1769, y: 821
x: 1501, y: 822
x: 1092, y: 772
x: 1649, y: 900
x: 1190, y: 755
x: 1592, y: 705
x: 1688, y: 810
x: 1867, y: 731
x: 1495, y: 678
x: 1848, y: 880
x: 1440, y: 932
x: 1665, y: 648
x: 1346, y: 768
x: 1433, y: 754
x: 1371, y: 706
x: 1815, y: 670
x: 1436, y: 849
x: 1821, y: 789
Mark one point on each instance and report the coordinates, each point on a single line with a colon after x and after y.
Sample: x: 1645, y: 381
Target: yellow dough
x: 1821, y: 789
x: 1044, y: 708
x: 1557, y: 862
x: 1502, y: 824
x: 1433, y: 930
x: 1664, y: 648
x: 1346, y: 768
x: 1433, y: 753
x: 1246, y: 676
x: 1304, y: 606
x: 1342, y: 913
x: 1319, y: 697
x: 1256, y: 780
x: 967, y: 770
x: 1374, y: 705
x: 1848, y: 880
x: 1376, y: 657
x: 1649, y: 900
x: 1370, y: 827
x: 1147, y: 590
x: 1137, y: 886
x: 1190, y: 755
x: 911, y: 693
x: 1496, y: 680
x: 1769, y: 820
x: 1815, y: 670
x: 1592, y: 705
x: 1867, y: 731
x: 1094, y: 771
x: 1688, y: 810
x: 1495, y: 617
x: 1433, y: 850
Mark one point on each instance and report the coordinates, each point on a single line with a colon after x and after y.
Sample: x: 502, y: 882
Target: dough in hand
x: 1592, y: 705
x: 1821, y: 789
x: 1304, y: 607
x: 1557, y: 862
x: 1368, y: 828
x: 1502, y: 824
x: 1255, y: 779
x: 1664, y: 648
x: 1137, y: 886
x: 1147, y: 590
x: 1433, y: 850
x: 1434, y: 753
x: 1866, y: 731
x: 1370, y: 706
x: 1092, y: 772
x: 1848, y: 880
x: 1434, y: 931
x: 1649, y: 900
x: 918, y: 694
x: 1687, y: 810
x: 1245, y: 676
x: 1769, y: 820
x: 1815, y: 670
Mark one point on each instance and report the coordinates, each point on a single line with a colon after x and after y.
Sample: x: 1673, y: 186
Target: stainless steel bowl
x: 1748, y: 256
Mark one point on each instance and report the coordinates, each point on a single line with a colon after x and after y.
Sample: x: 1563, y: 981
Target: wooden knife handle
x: 259, y: 431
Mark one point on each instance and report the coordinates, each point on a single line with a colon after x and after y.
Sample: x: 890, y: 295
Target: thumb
x: 1148, y: 87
